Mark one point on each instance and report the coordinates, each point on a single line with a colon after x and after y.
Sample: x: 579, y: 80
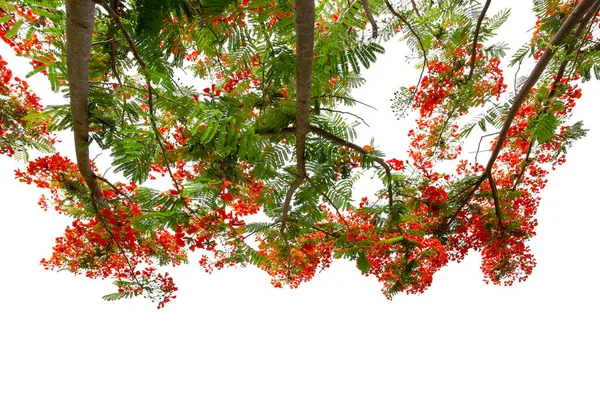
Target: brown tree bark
x: 305, y: 42
x: 80, y: 26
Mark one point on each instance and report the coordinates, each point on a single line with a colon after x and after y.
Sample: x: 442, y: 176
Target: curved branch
x: 476, y: 37
x: 342, y: 142
x: 80, y: 26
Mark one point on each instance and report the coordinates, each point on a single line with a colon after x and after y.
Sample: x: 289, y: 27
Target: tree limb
x: 494, y: 191
x: 578, y: 13
x: 576, y: 16
x: 559, y: 75
x: 415, y: 8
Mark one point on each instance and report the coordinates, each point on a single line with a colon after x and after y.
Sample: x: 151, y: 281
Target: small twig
x: 282, y: 132
x: 119, y: 247
x: 365, y: 4
x: 339, y: 214
x: 344, y: 98
x: 115, y: 188
x: 107, y: 41
x: 516, y: 75
x: 159, y: 138
x: 345, y: 112
x: 332, y: 234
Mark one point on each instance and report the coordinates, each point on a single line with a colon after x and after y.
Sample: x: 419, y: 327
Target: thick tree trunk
x: 80, y: 26
x: 305, y: 42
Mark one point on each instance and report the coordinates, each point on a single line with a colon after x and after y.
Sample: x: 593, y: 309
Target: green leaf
x: 117, y: 296
x: 545, y: 128
x: 393, y: 240
x: 35, y: 71
x: 362, y: 263
x: 14, y: 30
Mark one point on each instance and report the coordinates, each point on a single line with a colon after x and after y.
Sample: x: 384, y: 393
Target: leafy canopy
x: 221, y: 123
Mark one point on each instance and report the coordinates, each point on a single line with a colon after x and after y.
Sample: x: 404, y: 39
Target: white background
x: 230, y: 335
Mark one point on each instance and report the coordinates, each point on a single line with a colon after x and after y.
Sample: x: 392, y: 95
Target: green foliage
x: 545, y: 128
x: 223, y: 148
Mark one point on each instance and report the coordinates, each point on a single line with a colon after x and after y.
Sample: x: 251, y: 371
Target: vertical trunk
x: 80, y: 26
x: 305, y: 41
x: 304, y: 11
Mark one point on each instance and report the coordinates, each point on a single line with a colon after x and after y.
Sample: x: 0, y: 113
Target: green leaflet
x: 545, y: 128
x: 362, y: 263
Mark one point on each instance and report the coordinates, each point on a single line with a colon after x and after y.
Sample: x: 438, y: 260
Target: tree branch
x: 580, y: 10
x: 409, y: 26
x: 559, y: 75
x: 415, y: 8
x: 578, y: 13
x: 494, y: 190
x: 342, y: 142
x: 425, y: 62
x: 282, y: 132
x: 475, y: 38
x: 150, y: 90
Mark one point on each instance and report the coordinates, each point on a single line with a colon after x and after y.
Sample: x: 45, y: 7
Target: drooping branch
x: 304, y: 15
x: 113, y: 14
x: 342, y: 142
x: 365, y: 4
x: 80, y: 26
x: 476, y: 37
